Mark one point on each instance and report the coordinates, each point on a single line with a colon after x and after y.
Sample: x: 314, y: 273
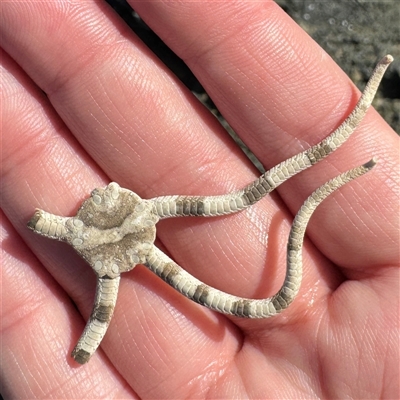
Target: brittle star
x: 114, y: 230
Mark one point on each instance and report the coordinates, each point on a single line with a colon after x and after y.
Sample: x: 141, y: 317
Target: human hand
x: 114, y: 112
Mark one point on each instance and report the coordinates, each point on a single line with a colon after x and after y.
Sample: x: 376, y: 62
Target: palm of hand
x: 340, y: 336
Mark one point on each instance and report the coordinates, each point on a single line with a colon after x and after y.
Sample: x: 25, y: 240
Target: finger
x: 289, y: 95
x: 36, y: 331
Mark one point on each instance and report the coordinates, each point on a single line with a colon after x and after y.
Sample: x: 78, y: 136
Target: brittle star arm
x: 209, y: 206
x: 226, y: 303
x: 97, y: 325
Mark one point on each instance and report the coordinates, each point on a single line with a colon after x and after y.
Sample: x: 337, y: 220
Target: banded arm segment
x: 96, y: 327
x: 209, y: 206
x: 225, y: 303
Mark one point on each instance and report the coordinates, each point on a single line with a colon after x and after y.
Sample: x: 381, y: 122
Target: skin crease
x: 114, y: 112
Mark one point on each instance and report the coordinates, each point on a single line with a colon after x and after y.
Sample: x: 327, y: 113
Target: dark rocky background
x: 356, y: 34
